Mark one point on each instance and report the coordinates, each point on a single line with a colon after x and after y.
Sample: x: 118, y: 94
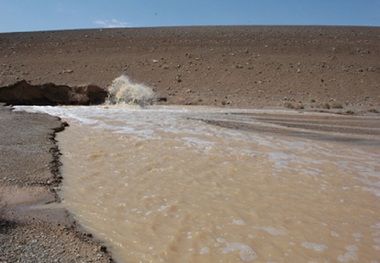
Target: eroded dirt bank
x: 24, y: 93
x: 33, y: 227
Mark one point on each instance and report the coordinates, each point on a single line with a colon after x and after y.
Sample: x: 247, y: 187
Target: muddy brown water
x: 161, y: 185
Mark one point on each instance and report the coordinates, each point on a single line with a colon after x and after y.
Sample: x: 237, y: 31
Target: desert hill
x: 223, y: 66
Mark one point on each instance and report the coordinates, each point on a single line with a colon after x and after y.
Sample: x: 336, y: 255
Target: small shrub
x: 313, y: 100
x: 289, y: 105
x: 337, y: 105
x: 300, y: 107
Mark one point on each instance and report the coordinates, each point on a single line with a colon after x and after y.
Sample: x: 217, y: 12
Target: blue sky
x: 37, y: 15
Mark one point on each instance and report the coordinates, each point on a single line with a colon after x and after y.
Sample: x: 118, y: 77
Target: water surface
x: 160, y: 185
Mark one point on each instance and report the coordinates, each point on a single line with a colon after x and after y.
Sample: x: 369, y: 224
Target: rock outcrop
x: 24, y: 93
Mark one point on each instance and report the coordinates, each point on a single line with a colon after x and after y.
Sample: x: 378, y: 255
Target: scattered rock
x: 67, y: 71
x: 162, y: 99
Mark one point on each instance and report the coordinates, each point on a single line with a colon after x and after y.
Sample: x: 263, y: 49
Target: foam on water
x: 239, y: 222
x: 351, y: 254
x: 123, y: 90
x: 246, y: 253
x: 204, y: 250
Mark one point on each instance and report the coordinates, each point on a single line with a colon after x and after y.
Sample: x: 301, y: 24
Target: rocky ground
x: 332, y: 69
x: 295, y: 67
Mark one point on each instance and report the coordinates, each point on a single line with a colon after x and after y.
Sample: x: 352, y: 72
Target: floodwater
x: 160, y: 185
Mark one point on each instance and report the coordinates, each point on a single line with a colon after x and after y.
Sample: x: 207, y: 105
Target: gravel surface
x: 245, y: 67
x: 33, y: 226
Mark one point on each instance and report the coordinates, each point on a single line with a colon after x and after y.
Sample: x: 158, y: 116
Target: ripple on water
x: 314, y: 246
x: 271, y: 230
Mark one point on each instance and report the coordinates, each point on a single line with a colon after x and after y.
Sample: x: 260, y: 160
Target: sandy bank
x: 33, y: 227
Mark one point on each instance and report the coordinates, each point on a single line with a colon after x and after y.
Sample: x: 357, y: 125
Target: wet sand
x: 33, y: 227
x: 304, y: 68
x: 355, y: 130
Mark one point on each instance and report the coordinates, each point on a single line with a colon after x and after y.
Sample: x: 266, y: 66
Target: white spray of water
x: 123, y: 90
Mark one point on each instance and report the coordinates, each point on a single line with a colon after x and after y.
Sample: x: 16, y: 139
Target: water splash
x: 123, y: 91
